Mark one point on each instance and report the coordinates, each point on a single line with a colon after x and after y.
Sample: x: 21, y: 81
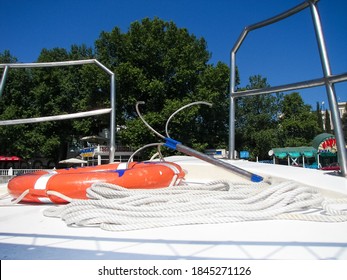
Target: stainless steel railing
x: 111, y: 110
x: 328, y: 79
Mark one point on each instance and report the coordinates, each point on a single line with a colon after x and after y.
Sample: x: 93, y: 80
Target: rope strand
x: 114, y: 208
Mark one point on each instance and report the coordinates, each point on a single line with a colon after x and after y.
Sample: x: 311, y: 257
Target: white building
x: 342, y: 110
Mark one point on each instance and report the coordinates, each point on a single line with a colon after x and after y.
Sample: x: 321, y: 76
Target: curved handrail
x: 112, y: 110
x: 328, y: 79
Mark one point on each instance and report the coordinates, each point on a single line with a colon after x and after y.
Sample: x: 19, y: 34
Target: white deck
x: 25, y: 233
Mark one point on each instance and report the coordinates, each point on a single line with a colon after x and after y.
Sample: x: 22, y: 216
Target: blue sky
x: 283, y: 53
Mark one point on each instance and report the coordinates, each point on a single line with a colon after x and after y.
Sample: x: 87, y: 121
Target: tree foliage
x: 44, y: 92
x: 167, y: 68
x: 319, y: 118
x: 257, y: 119
x: 298, y: 125
x: 327, y: 122
x: 267, y: 121
x: 162, y: 65
x: 154, y: 61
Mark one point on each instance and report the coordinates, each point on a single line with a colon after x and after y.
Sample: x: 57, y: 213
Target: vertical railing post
x: 113, y: 127
x: 340, y: 142
x: 232, y: 120
x: 3, y: 79
x: 232, y: 108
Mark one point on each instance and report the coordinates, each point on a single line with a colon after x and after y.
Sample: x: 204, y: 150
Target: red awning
x: 10, y: 158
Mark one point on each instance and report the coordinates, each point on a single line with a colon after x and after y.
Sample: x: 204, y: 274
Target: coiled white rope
x: 118, y: 209
x: 5, y: 199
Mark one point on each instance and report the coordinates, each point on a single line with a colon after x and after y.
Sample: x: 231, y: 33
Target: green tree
x: 14, y: 104
x: 327, y: 122
x: 7, y: 57
x: 298, y: 125
x: 44, y: 92
x: 319, y: 117
x: 256, y: 120
x: 155, y: 62
x: 165, y: 66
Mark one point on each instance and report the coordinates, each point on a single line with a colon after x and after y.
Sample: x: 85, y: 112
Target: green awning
x: 294, y: 152
x: 309, y: 154
x: 280, y: 155
x: 324, y: 144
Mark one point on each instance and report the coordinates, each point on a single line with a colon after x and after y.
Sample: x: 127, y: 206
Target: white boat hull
x: 25, y: 233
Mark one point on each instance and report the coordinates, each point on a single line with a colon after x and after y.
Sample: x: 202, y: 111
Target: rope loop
x: 115, y: 208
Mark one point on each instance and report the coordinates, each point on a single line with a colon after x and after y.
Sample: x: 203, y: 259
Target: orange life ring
x: 73, y: 182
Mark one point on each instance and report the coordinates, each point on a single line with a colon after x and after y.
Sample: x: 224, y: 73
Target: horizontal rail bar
x: 48, y: 64
x: 57, y: 64
x: 300, y: 85
x: 57, y: 117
